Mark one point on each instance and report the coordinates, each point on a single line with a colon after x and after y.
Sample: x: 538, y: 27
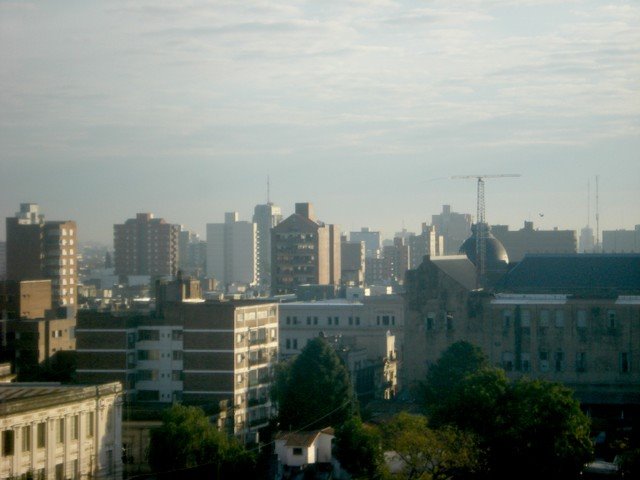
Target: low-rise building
x: 298, y: 450
x: 51, y: 431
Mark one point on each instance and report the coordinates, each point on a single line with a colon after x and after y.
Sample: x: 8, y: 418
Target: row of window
x: 153, y: 375
x: 8, y: 436
x: 545, y: 316
x: 335, y: 321
x: 546, y: 362
x: 156, y: 355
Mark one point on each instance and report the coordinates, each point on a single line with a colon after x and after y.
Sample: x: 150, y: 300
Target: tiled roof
x: 302, y: 439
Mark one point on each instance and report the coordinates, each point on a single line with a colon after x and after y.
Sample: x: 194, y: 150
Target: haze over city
x: 365, y: 108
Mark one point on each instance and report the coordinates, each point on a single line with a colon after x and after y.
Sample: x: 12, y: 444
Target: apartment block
x: 454, y: 227
x: 304, y: 251
x: 372, y: 241
x: 146, y: 246
x: 38, y: 250
x: 265, y: 217
x: 621, y: 241
x: 49, y: 431
x: 213, y: 353
x: 352, y: 262
x: 232, y: 251
x: 528, y: 240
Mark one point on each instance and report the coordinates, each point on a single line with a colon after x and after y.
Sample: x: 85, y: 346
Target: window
x: 449, y: 321
x: 288, y: 320
x: 559, y: 319
x: 430, y: 320
x: 357, y: 320
x: 525, y: 361
x: 350, y: 320
x: 7, y: 443
x: 543, y: 357
x: 581, y: 319
x: 544, y: 318
x: 336, y: 320
x: 148, y: 335
x: 176, y: 354
x: 288, y: 344
x: 239, y: 338
x: 581, y: 362
x: 329, y: 320
x: 315, y: 320
x: 507, y: 361
x: 26, y: 438
x: 239, y: 358
x: 625, y: 365
x: 60, y: 431
x: 176, y: 335
x: 239, y: 378
x: 506, y: 319
x: 525, y: 320
x: 75, y: 424
x: 90, y: 424
x: 148, y: 355
x: 41, y: 434
x: 308, y: 320
x: 611, y: 318
x: 295, y: 343
x: 297, y: 450
x: 385, y: 319
x: 176, y: 375
x: 559, y: 361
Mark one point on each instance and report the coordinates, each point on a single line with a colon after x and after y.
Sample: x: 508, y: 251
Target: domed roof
x: 496, y: 257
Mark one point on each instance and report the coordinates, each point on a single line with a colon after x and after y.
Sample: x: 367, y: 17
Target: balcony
x: 255, y: 402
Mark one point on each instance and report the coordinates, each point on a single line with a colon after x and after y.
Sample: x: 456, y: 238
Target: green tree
x: 358, y: 447
x: 187, y: 439
x: 428, y: 454
x: 317, y: 390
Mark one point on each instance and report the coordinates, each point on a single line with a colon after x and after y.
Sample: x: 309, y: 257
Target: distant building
x: 265, y: 217
x: 429, y: 242
x: 232, y: 251
x: 146, y: 246
x: 192, y: 253
x: 566, y: 318
x: 397, y: 260
x: 621, y: 241
x: 454, y: 227
x: 43, y: 250
x: 374, y: 271
x: 53, y: 431
x: 372, y: 241
x: 587, y: 240
x: 3, y: 260
x: 217, y: 354
x: 32, y: 333
x: 304, y: 251
x: 352, y: 262
x: 296, y: 451
x: 527, y: 240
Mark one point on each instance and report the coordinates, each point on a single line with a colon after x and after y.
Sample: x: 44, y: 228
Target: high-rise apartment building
x: 352, y: 262
x: 427, y: 243
x: 372, y: 241
x: 265, y: 217
x: 454, y: 227
x: 146, y: 246
x: 304, y: 251
x: 397, y: 260
x: 192, y: 253
x: 231, y: 251
x: 621, y: 241
x: 43, y: 250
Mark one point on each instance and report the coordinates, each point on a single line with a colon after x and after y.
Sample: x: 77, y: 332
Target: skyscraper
x: 265, y: 217
x: 146, y: 246
x: 231, y: 250
x: 304, y: 251
x: 43, y: 250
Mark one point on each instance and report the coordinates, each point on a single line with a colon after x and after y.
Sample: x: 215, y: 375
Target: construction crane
x: 482, y: 229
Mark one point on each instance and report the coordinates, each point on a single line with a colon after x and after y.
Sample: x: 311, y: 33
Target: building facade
x: 353, y: 262
x: 146, y: 246
x: 429, y: 242
x: 621, y: 241
x: 528, y: 240
x: 232, y: 251
x: 454, y: 227
x: 265, y: 217
x: 210, y: 354
x: 572, y: 319
x: 304, y: 251
x: 37, y: 250
x: 372, y: 241
x: 59, y: 432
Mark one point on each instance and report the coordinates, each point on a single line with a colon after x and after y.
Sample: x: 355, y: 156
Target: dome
x: 496, y: 257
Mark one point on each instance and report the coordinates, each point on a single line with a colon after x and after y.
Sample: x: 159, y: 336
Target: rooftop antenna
x: 268, y: 190
x: 588, y: 203
x: 482, y: 229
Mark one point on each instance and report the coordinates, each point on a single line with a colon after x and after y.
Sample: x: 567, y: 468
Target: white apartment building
x: 60, y: 432
x: 232, y: 251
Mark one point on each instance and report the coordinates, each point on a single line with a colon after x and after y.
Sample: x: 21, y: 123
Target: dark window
x: 559, y: 361
x: 7, y: 443
x: 297, y: 451
x: 41, y: 435
x: 625, y: 366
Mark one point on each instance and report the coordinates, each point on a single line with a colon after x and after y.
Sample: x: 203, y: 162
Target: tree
x: 359, y: 449
x: 317, y: 390
x: 187, y: 439
x: 427, y: 453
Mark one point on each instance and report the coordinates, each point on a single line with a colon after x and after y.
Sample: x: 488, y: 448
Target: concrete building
x: 352, y: 262
x: 374, y: 271
x: 56, y: 432
x: 621, y: 241
x: 304, y: 251
x: 372, y: 241
x: 232, y: 251
x: 146, y: 246
x: 32, y: 333
x: 587, y: 240
x: 192, y: 253
x: 429, y: 242
x: 397, y: 260
x: 364, y: 325
x: 528, y: 240
x: 454, y: 227
x: 216, y: 354
x: 265, y: 217
x: 566, y: 318
x: 298, y: 450
x: 37, y: 250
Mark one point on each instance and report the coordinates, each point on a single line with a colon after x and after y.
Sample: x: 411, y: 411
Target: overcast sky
x: 365, y: 108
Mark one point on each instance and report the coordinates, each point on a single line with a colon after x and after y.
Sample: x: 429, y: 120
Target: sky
x: 365, y: 108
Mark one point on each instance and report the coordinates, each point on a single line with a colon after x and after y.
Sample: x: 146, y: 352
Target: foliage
x: 527, y: 428
x: 316, y: 391
x: 187, y: 439
x: 358, y: 448
x: 427, y: 453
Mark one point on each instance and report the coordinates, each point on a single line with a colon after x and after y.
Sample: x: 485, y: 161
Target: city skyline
x: 365, y: 109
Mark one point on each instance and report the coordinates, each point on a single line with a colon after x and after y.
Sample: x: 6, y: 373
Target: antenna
x: 268, y: 190
x: 588, y: 203
x: 482, y: 229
